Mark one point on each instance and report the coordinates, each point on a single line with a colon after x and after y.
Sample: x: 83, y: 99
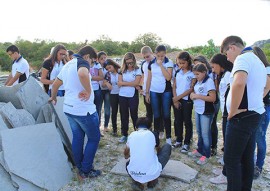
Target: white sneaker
x: 221, y: 161
x: 161, y: 135
x: 169, y: 141
x: 221, y: 179
x: 217, y: 171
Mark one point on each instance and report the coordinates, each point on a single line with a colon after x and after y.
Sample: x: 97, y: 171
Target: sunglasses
x: 130, y: 63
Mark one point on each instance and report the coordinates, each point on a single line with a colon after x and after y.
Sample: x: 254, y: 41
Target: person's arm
x: 83, y: 74
x: 166, y: 73
x: 209, y: 98
x: 14, y: 79
x: 100, y: 76
x: 106, y: 84
x: 8, y: 79
x: 127, y: 152
x: 56, y: 84
x: 134, y: 83
x: 44, y: 74
x: 267, y: 86
x: 148, y: 83
x: 237, y: 90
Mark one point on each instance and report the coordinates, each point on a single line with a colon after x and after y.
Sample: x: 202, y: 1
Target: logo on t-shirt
x: 94, y: 71
x: 137, y: 173
x: 189, y: 78
x: 200, y: 89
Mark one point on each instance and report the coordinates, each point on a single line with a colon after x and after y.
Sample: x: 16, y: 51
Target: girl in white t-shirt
x: 204, y: 96
x: 111, y: 81
x: 128, y: 81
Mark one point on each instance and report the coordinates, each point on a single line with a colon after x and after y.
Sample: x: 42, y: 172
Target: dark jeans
x: 224, y: 126
x: 107, y: 109
x: 161, y: 106
x: 97, y: 102
x: 239, y: 150
x: 60, y: 93
x: 128, y: 104
x: 149, y: 112
x: 183, y: 115
x: 114, y: 100
x: 214, y: 128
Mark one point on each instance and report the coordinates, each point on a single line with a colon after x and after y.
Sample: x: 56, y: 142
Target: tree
x: 266, y: 50
x: 148, y: 39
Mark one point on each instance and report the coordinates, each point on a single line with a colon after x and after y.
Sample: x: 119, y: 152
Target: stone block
x: 35, y: 154
x: 5, y: 181
x: 3, y: 126
x: 173, y: 169
x: 45, y: 114
x: 32, y: 97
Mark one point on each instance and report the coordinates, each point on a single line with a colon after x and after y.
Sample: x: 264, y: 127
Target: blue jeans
x: 261, y: 139
x: 161, y: 107
x: 81, y: 125
x: 107, y: 107
x: 214, y: 128
x: 60, y: 93
x: 98, y: 102
x: 203, y: 126
x: 239, y: 150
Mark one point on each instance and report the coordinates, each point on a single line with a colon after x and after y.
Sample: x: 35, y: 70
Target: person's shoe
x: 217, y: 171
x: 257, y: 172
x: 221, y: 161
x: 213, y: 151
x: 161, y: 135
x: 194, y: 154
x: 123, y: 139
x: 93, y: 173
x: 101, y: 133
x: 169, y: 141
x: 114, y: 134
x: 220, y: 179
x: 184, y: 149
x: 202, y: 161
x: 152, y: 183
x: 106, y: 129
x: 177, y: 144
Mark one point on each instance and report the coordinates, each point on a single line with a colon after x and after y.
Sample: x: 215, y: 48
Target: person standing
x: 245, y: 108
x: 20, y: 67
x: 80, y: 109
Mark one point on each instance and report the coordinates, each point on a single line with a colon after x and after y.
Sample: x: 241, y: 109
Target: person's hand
x: 120, y: 83
x: 193, y: 96
x: 159, y: 62
x: 231, y: 114
x: 175, y: 99
x: 84, y: 95
x: 176, y: 104
x: 147, y: 98
x: 52, y: 100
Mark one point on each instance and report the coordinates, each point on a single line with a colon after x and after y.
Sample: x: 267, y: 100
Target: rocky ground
x: 110, y: 151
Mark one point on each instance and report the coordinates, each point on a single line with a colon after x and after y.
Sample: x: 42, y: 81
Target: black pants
x: 149, y: 112
x: 214, y: 128
x: 183, y: 115
x: 114, y: 101
x: 128, y: 104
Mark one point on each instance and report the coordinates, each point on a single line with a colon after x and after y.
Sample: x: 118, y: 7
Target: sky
x: 180, y: 23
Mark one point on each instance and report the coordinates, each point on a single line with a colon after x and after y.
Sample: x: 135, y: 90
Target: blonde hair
x: 128, y: 55
x: 146, y: 49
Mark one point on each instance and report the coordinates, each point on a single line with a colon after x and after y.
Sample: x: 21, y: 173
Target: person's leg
x: 224, y: 124
x: 77, y: 140
x: 166, y: 111
x: 50, y: 92
x: 61, y: 93
x: 149, y: 112
x: 133, y: 107
x: 124, y: 115
x: 199, y: 132
x: 98, y: 102
x: 214, y: 128
x: 164, y: 154
x: 114, y: 101
x: 177, y: 126
x: 206, y: 121
x: 187, y: 114
x: 107, y: 109
x: 155, y: 99
x: 239, y: 151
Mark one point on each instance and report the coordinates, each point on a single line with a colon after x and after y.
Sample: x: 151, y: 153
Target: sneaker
x: 257, y: 172
x: 106, y: 129
x: 93, y: 173
x: 177, y: 144
x: 217, y: 171
x: 194, y: 154
x: 213, y: 151
x: 221, y: 161
x: 203, y: 160
x: 123, y: 139
x: 220, y: 179
x: 184, y: 149
x: 169, y: 141
x: 161, y: 135
x: 152, y: 183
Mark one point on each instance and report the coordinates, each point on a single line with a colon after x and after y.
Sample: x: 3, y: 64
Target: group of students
x: 234, y: 81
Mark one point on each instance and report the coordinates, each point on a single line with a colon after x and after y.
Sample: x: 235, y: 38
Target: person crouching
x: 146, y: 158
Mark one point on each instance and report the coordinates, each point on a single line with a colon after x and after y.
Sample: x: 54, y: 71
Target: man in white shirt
x: 20, y: 67
x: 145, y: 165
x: 245, y: 108
x: 80, y: 109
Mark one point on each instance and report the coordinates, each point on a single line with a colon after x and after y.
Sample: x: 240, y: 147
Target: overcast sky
x: 181, y: 23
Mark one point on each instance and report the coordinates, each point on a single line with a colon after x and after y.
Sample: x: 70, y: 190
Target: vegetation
x: 35, y: 52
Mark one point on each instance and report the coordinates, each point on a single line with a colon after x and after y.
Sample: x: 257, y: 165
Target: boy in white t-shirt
x: 145, y: 165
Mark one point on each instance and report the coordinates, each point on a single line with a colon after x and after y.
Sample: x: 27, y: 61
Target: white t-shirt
x: 203, y: 88
x: 223, y: 86
x: 54, y: 73
x: 144, y: 69
x: 183, y: 82
x: 158, y: 81
x: 114, y: 83
x: 94, y: 71
x: 72, y: 85
x: 256, y: 81
x: 143, y: 165
x: 20, y: 65
x: 129, y: 76
x: 104, y: 71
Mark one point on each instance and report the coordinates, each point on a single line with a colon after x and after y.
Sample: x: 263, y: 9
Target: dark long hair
x: 112, y: 63
x: 53, y: 56
x: 259, y: 52
x: 221, y: 60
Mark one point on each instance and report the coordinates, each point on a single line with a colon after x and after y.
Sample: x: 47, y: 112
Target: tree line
x: 35, y: 52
